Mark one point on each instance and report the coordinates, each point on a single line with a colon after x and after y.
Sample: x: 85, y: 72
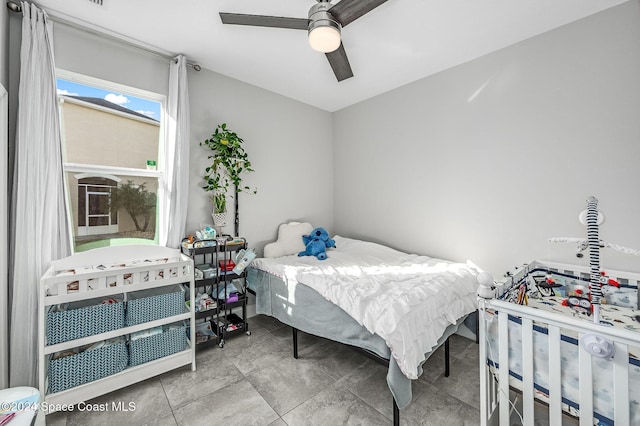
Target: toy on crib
x: 208, y: 233
x: 579, y: 296
x: 592, y: 218
x: 317, y: 243
x: 605, y: 280
x: 580, y: 304
x: 579, y: 299
x: 545, y: 285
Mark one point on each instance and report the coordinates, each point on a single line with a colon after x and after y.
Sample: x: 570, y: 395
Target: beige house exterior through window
x: 108, y: 148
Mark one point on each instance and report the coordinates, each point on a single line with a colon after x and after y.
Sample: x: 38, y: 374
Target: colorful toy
x: 580, y: 297
x: 604, y: 279
x: 545, y: 285
x: 580, y: 304
x: 317, y: 244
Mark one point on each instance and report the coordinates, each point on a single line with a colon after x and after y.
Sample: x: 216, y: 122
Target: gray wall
x: 487, y: 160
x: 289, y: 143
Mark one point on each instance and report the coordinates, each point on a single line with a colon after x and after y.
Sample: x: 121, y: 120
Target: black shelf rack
x: 225, y: 323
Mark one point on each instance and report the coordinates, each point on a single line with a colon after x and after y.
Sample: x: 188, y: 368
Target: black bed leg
x: 446, y: 358
x: 295, y: 343
x: 396, y: 413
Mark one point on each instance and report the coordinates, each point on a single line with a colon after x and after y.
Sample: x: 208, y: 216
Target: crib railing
x: 495, y: 394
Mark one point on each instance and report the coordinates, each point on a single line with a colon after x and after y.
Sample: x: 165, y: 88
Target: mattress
x: 406, y: 299
x: 301, y: 307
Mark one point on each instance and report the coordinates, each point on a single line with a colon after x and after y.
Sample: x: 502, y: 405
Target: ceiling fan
x: 324, y: 27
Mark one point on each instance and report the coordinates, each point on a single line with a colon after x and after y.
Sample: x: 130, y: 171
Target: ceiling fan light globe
x: 324, y: 39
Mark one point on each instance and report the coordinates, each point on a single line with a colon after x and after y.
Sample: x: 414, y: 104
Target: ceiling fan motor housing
x: 319, y: 16
x: 324, y: 31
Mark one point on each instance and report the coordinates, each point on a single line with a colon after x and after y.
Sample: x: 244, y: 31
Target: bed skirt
x: 303, y: 308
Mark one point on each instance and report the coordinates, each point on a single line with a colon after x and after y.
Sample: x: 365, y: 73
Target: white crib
x: 576, y: 382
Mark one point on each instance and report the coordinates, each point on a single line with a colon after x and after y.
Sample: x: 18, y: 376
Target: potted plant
x: 230, y: 162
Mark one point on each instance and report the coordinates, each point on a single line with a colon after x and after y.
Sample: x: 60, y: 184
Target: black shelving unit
x: 224, y: 322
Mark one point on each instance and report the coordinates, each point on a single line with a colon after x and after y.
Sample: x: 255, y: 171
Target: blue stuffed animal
x: 317, y: 243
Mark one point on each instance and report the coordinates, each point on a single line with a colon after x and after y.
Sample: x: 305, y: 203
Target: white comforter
x: 406, y: 299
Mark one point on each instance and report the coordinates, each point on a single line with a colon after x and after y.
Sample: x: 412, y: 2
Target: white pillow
x: 289, y: 239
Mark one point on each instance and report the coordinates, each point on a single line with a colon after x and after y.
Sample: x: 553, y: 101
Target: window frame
x: 101, y: 170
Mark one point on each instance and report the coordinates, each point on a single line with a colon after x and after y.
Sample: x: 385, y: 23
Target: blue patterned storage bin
x: 150, y: 305
x: 146, y: 349
x: 87, y: 366
x: 80, y: 322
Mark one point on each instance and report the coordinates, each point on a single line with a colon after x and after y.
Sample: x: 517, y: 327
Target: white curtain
x: 40, y: 226
x: 4, y: 238
x: 174, y: 186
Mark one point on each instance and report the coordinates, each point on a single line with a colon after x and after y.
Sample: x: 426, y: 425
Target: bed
x: 557, y: 357
x: 399, y: 307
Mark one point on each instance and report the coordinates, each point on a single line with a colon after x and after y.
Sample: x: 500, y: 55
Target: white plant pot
x: 219, y: 219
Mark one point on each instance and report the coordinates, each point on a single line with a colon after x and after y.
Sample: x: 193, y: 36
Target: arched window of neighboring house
x: 95, y: 215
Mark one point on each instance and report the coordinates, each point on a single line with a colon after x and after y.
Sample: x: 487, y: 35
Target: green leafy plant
x: 219, y: 202
x: 137, y: 201
x: 230, y: 162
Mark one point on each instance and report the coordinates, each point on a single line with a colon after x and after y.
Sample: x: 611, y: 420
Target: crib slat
x: 485, y: 379
x: 586, y: 387
x: 555, y: 390
x: 527, y: 371
x: 503, y: 361
x: 621, y: 384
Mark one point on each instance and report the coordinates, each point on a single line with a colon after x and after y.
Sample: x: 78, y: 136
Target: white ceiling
x: 399, y: 42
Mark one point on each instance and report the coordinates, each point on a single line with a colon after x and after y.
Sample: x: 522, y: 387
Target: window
x: 111, y: 137
x: 95, y: 216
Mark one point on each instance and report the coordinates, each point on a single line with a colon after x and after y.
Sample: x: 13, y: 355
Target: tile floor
x: 254, y: 380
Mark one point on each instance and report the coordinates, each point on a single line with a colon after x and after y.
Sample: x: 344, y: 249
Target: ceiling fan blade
x: 340, y: 63
x: 264, y: 21
x: 347, y: 11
